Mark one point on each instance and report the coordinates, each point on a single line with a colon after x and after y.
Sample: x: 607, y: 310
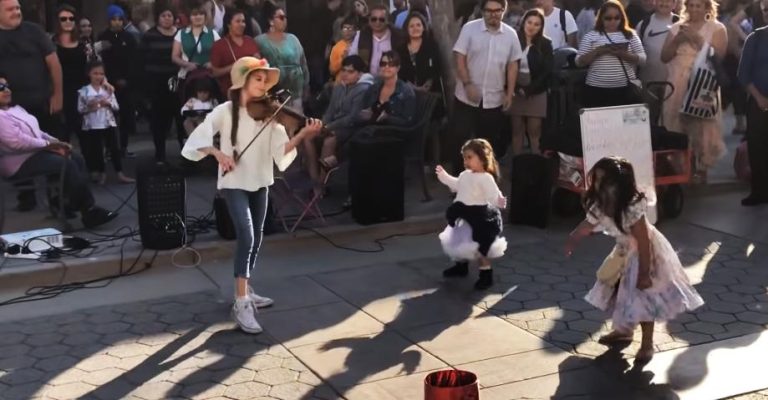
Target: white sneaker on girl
x: 244, y: 313
x: 259, y: 301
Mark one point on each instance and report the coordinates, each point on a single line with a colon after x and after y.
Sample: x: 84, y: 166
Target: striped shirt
x: 606, y: 71
x: 156, y: 49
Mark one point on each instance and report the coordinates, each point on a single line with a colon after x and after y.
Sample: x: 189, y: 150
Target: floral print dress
x: 671, y: 292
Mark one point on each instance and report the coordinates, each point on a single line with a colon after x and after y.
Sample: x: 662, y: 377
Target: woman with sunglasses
x: 389, y: 101
x: 284, y: 51
x: 73, y: 57
x: 612, y: 51
x: 697, y: 27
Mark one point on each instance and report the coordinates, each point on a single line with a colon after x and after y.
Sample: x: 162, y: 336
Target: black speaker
x: 161, y: 192
x: 376, y: 181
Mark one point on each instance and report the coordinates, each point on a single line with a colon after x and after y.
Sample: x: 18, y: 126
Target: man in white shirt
x: 559, y: 25
x: 486, y: 52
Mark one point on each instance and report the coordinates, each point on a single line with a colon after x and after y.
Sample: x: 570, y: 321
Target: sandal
x: 329, y: 162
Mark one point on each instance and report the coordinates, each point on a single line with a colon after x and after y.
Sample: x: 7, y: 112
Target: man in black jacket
x: 375, y: 39
x: 119, y: 59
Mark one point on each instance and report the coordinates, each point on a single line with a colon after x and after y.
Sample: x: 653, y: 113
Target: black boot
x: 459, y: 270
x: 486, y: 279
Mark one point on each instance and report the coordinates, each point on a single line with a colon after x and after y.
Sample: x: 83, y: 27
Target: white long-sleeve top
x: 254, y: 169
x: 472, y: 188
x: 102, y: 117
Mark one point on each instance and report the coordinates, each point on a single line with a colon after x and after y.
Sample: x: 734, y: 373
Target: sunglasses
x: 65, y: 19
x: 616, y: 18
x: 4, y: 87
x: 378, y: 19
x: 281, y: 17
x: 392, y: 64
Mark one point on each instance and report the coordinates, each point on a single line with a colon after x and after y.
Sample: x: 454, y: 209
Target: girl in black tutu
x: 474, y: 220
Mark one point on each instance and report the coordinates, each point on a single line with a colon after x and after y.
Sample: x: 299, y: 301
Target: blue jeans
x: 247, y: 210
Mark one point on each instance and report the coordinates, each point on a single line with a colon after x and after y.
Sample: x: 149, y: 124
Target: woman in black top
x: 73, y: 60
x: 530, y: 106
x: 420, y: 55
x: 156, y: 48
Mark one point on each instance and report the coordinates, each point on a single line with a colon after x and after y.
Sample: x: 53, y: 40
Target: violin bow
x: 271, y: 118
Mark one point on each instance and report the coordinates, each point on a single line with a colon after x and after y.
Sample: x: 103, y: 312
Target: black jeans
x: 164, y: 110
x: 92, y: 143
x: 757, y: 145
x: 469, y: 122
x: 76, y: 190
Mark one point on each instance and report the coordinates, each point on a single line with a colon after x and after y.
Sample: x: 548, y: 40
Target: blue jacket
x: 754, y: 59
x: 402, y: 103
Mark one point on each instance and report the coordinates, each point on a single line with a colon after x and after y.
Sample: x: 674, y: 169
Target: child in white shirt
x: 98, y: 105
x: 474, y: 220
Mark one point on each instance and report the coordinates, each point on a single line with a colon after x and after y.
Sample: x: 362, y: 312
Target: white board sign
x: 622, y: 131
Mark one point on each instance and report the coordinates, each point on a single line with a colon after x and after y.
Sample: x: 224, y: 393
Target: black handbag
x: 224, y: 224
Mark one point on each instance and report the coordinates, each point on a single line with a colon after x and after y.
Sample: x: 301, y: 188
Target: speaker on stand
x: 161, y: 192
x: 376, y: 180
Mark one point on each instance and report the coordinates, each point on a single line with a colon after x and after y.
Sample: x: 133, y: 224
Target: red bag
x: 741, y: 163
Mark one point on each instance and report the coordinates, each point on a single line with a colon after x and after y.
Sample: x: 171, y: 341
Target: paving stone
x: 753, y: 317
x: 191, y: 376
x: 736, y: 298
x: 290, y: 391
x: 98, y: 362
x: 514, y: 278
x: 585, y: 326
x: 184, y: 327
x: 168, y: 307
x: 596, y: 315
x: 294, y: 364
x: 747, y: 289
x: 204, y: 390
x: 68, y: 376
x: 119, y: 338
x: 761, y: 307
x: 112, y: 327
x: 521, y: 295
x: 23, y: 392
x: 43, y: 339
x: 55, y: 364
x: 157, y: 390
x: 570, y: 287
x: 276, y: 376
x: 75, y: 328
x: 38, y: 328
x: 705, y: 327
x: 716, y: 317
x: 310, y: 378
x: 546, y: 325
x: 21, y: 376
x: 130, y: 350
x: 705, y: 288
x: 570, y: 337
x: 562, y: 315
x: 104, y: 317
x: 549, y: 279
x: 692, y: 338
x: 157, y: 339
x: 555, y: 295
x: 539, y: 304
x: 88, y: 350
x: 81, y: 338
x: 249, y: 350
x: 576, y: 305
x: 116, y: 389
x: 137, y: 318
x: 233, y: 376
x: 101, y: 377
x: 17, y: 362
x: 247, y: 390
x: 14, y: 350
x: 73, y: 390
x: 670, y: 346
x: 507, y: 306
x: 723, y: 306
x: 175, y: 318
x: 148, y: 328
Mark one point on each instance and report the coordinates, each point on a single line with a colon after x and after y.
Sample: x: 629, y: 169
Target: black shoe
x: 751, y: 200
x: 486, y: 279
x: 96, y: 216
x: 459, y: 270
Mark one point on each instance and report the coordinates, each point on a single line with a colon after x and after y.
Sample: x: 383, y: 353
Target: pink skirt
x: 534, y: 106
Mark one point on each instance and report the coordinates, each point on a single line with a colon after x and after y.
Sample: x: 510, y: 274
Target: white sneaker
x: 244, y: 313
x: 259, y: 301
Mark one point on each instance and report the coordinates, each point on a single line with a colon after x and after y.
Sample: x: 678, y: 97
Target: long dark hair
x: 234, y: 97
x: 537, y: 39
x: 426, y: 37
x: 75, y: 35
x: 484, y: 151
x: 624, y: 23
x: 618, y: 189
x: 229, y: 15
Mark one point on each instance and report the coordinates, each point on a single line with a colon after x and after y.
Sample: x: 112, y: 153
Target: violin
x: 274, y: 106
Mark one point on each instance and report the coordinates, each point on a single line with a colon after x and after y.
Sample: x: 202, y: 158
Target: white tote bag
x: 702, y: 99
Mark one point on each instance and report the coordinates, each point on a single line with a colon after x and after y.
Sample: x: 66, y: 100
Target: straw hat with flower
x: 243, y: 68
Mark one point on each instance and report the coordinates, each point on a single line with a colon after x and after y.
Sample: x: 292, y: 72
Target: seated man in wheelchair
x: 27, y: 152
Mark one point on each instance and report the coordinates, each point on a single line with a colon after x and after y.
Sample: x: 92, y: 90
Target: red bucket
x: 451, y: 384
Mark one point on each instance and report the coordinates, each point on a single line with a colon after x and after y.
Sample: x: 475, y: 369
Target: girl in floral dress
x: 642, y: 281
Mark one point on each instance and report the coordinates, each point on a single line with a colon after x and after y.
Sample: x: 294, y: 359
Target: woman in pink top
x: 27, y: 152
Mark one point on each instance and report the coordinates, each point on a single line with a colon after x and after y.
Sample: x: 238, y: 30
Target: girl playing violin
x: 245, y: 175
